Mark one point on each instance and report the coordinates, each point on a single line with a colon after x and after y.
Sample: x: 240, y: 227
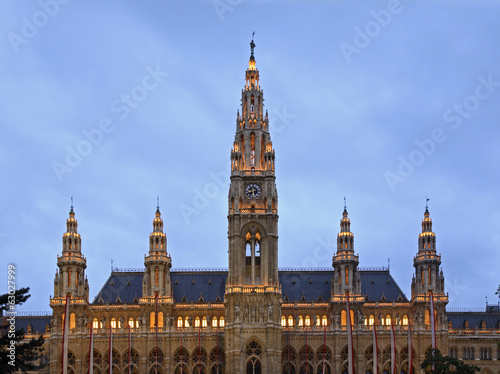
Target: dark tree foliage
x: 436, y: 363
x: 12, y: 341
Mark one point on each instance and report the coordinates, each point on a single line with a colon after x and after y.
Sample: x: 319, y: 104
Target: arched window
x: 113, y: 323
x: 283, y: 321
x: 427, y: 317
x: 197, y: 322
x: 204, y: 322
x: 72, y: 321
x: 179, y: 321
x: 160, y: 319
x: 308, y: 320
x: 221, y: 321
x: 131, y: 322
x: 301, y: 321
x: 214, y: 322
x: 324, y: 320
x: 95, y: 323
x: 371, y: 320
x: 343, y: 318
x: 186, y: 322
x: 388, y: 319
x: 405, y: 320
x: 290, y: 320
x: 152, y: 319
x: 318, y: 320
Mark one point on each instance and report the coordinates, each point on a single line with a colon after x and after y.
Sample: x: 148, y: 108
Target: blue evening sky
x: 118, y: 102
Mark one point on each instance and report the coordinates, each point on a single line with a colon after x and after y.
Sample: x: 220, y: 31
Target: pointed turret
x: 345, y: 262
x: 156, y: 280
x: 428, y: 276
x: 72, y: 264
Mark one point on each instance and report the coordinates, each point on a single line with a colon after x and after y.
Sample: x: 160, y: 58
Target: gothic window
x: 72, y: 321
x: 323, y: 353
x: 204, y: 322
x: 179, y: 321
x: 405, y: 319
x: 324, y: 320
x: 346, y: 275
x: 343, y: 317
x: 318, y: 320
x: 371, y: 320
x: 130, y: 322
x: 283, y: 321
x: 252, y: 150
x: 221, y: 321
x: 186, y: 322
x: 197, y: 322
x: 290, y: 320
x: 308, y: 320
x: 427, y: 317
x: 155, y: 353
x: 388, y: 319
x: 214, y: 322
x: 156, y: 277
x: 429, y: 275
x: 300, y: 321
x: 69, y: 277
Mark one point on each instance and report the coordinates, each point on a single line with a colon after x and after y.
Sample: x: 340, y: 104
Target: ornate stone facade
x: 252, y: 317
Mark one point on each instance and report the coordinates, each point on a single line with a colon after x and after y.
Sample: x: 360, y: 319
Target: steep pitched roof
x: 38, y: 323
x: 195, y: 286
x: 491, y: 317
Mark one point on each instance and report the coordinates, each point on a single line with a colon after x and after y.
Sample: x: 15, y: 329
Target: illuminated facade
x: 253, y: 317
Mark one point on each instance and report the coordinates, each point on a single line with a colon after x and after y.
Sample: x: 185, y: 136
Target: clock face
x: 253, y: 190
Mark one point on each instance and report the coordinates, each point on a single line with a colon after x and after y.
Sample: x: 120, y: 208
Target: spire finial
x: 345, y: 205
x: 71, y: 211
x: 252, y: 47
x: 157, y: 204
x: 426, y: 204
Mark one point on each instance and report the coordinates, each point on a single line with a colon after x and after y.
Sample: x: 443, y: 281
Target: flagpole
x: 91, y: 350
x: 110, y: 359
x: 289, y: 367
x: 410, y: 351
x: 182, y: 355
x: 199, y: 349
x: 324, y: 346
x: 349, y: 336
x: 306, y: 348
x: 129, y: 350
x: 156, y: 333
x: 393, y: 350
x: 64, y: 362
x: 375, y: 350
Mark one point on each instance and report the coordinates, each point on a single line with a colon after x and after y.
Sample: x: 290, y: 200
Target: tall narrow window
x: 113, y: 323
x: 131, y: 322
x: 429, y: 275
x: 423, y: 278
x: 186, y: 322
x: 95, y: 323
x: 346, y: 275
x: 308, y: 320
x: 76, y: 279
x: 204, y: 322
x: 221, y: 322
x: 343, y: 318
x: 214, y: 322
x: 388, y: 319
x: 179, y: 321
x: 160, y: 319
x: 324, y: 320
x: 252, y: 150
x: 69, y: 277
x: 371, y: 320
x: 405, y: 320
x: 301, y: 321
x: 283, y: 321
x: 156, y: 277
x: 72, y: 321
x: 290, y: 320
x: 318, y: 321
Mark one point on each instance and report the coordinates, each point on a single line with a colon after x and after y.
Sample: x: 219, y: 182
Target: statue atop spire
x: 157, y: 204
x: 252, y: 47
x: 71, y: 210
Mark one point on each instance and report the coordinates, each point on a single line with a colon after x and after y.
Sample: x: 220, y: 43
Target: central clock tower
x: 253, y: 293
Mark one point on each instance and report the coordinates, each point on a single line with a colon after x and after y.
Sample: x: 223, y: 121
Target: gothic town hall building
x: 254, y: 318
